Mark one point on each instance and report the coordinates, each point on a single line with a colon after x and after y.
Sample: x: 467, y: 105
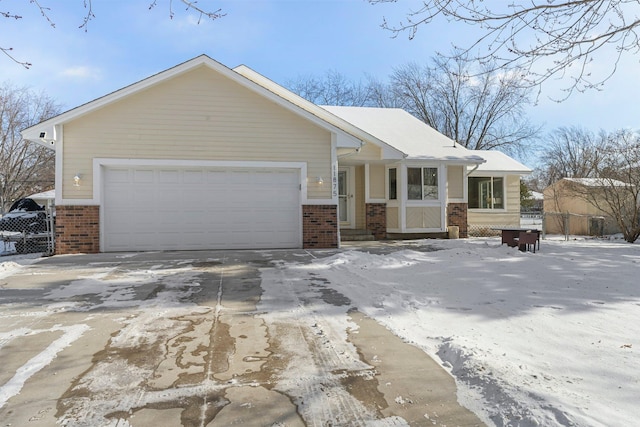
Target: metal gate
x: 23, y: 232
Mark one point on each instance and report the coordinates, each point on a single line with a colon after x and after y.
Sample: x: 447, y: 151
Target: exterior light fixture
x: 76, y: 180
x: 319, y: 180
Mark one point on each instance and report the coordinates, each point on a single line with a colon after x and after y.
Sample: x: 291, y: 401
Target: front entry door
x: 345, y: 197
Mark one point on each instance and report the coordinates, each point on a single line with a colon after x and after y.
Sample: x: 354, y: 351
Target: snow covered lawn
x: 532, y: 339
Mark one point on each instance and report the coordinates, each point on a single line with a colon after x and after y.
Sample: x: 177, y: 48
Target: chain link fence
x: 579, y: 225
x: 23, y: 232
x: 553, y: 223
x: 486, y: 230
x: 527, y: 220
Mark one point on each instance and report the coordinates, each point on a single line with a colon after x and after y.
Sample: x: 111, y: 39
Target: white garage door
x: 166, y: 208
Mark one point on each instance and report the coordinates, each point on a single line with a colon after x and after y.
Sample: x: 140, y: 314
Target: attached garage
x: 198, y: 156
x: 190, y: 208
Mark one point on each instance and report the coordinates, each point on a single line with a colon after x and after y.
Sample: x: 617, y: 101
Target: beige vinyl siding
x: 393, y: 217
x: 423, y: 217
x: 360, y: 214
x: 489, y: 219
x: 369, y: 152
x: 455, y: 182
x: 508, y: 217
x: 376, y: 181
x: 199, y: 115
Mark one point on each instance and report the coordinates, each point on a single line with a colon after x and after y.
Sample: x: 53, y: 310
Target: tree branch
x: 6, y: 51
x: 89, y: 16
x: 546, y: 39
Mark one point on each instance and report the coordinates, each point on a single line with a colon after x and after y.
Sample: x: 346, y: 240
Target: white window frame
x: 422, y: 184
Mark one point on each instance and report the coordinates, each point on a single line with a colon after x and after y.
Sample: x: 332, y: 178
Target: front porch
x: 368, y: 210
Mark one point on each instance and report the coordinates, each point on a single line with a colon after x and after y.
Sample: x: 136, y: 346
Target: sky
x: 281, y: 39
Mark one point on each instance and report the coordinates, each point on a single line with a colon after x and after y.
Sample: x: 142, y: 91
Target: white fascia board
x: 499, y: 173
x: 58, y: 184
x: 472, y: 161
x: 422, y: 162
x: 390, y: 153
x: 346, y: 141
x: 42, y: 135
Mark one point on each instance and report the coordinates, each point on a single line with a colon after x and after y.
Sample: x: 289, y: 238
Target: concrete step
x: 356, y: 235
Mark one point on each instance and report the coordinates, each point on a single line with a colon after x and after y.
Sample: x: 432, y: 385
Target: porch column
x: 376, y: 218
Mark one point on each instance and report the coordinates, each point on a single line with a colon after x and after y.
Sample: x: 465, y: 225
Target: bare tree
x: 333, y: 88
x: 25, y: 167
x: 481, y: 111
x: 612, y: 161
x: 381, y: 94
x: 545, y: 38
x: 190, y: 5
x: 618, y: 169
x: 571, y: 152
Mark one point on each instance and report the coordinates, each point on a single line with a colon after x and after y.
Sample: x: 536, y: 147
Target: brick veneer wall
x: 77, y: 229
x: 319, y: 226
x: 457, y: 215
x: 377, y: 220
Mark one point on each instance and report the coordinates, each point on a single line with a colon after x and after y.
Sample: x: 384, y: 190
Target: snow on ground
x: 549, y: 338
x: 544, y: 339
x: 11, y: 264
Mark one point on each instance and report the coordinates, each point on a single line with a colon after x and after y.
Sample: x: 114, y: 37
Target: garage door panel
x: 193, y: 177
x: 120, y: 241
x: 117, y: 217
x: 141, y: 176
x: 171, y: 176
x: 241, y: 177
x: 120, y: 176
x: 164, y: 208
x: 141, y: 219
x: 169, y: 240
x: 192, y: 240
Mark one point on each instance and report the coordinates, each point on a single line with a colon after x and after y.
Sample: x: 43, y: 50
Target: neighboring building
x: 567, y: 211
x: 201, y: 156
x: 44, y: 198
x: 494, y: 192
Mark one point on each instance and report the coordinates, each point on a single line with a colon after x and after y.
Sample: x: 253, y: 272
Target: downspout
x: 473, y: 170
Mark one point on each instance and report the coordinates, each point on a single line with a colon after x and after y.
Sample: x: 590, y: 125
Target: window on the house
x: 393, y: 184
x: 486, y: 192
x: 422, y: 183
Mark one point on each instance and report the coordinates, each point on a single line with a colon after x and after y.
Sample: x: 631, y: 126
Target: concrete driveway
x: 198, y: 339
